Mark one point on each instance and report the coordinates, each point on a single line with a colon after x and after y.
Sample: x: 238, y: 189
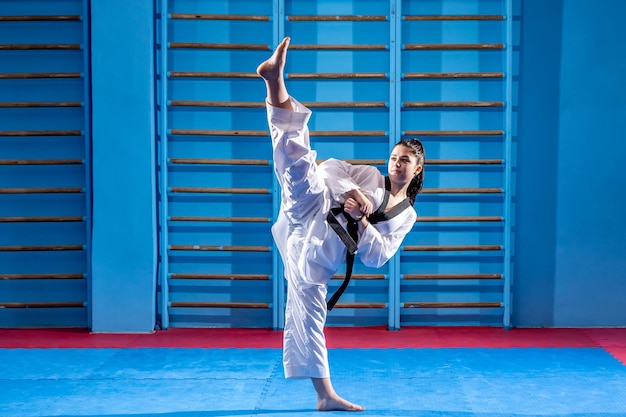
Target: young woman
x: 379, y: 210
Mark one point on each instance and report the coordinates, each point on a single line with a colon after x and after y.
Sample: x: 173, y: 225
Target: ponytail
x: 415, y: 187
x: 417, y: 183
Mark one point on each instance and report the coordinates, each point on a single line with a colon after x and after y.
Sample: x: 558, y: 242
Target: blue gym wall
x: 569, y: 266
x: 124, y: 255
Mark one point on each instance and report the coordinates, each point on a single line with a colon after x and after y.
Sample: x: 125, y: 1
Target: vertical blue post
x: 278, y: 316
x: 278, y: 10
x: 163, y: 155
x: 124, y: 239
x: 395, y: 26
x: 86, y: 77
x: 508, y: 132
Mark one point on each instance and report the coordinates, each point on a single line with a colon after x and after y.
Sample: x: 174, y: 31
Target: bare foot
x: 272, y: 68
x: 337, y: 404
x: 327, y: 398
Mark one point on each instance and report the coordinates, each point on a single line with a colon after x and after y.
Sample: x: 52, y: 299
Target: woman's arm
x: 351, y: 181
x: 357, y: 204
x: 376, y: 248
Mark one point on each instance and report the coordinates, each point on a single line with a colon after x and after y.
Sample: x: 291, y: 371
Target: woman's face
x: 403, y: 164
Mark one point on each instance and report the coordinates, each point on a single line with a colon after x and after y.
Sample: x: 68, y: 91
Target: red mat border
x: 613, y: 340
x: 337, y: 337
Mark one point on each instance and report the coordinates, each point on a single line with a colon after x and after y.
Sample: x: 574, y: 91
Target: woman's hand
x: 364, y: 203
x: 352, y: 208
x: 357, y: 204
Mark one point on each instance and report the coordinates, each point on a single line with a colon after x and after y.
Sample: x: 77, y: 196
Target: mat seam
x: 268, y: 382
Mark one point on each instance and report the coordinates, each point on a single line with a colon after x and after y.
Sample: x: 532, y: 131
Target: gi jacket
x: 322, y: 251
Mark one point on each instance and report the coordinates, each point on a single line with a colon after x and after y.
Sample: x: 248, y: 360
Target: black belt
x: 350, y: 237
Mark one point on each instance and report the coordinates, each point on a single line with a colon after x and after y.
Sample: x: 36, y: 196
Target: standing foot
x: 327, y: 398
x: 337, y: 404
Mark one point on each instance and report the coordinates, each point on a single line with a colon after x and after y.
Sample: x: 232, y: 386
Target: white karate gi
x: 310, y: 249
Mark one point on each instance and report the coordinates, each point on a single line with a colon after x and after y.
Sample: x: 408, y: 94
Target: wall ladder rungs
x: 211, y: 74
x: 453, y: 75
x: 261, y: 105
x: 346, y: 104
x: 453, y: 46
x: 40, y: 276
x: 477, y: 304
x: 212, y: 190
x: 347, y: 133
x: 454, y: 133
x: 40, y: 133
x: 361, y: 161
x: 207, y: 190
x: 199, y: 103
x: 214, y: 161
x: 41, y: 219
x: 462, y: 191
x: 231, y: 277
x: 218, y: 132
x: 464, y: 162
x: 450, y: 276
x: 361, y: 305
x: 36, y: 75
x: 453, y: 17
x: 41, y: 18
x: 432, y: 104
x: 41, y: 162
x: 215, y: 248
x: 41, y: 248
x: 205, y: 16
x: 221, y: 46
x: 451, y: 219
x: 23, y: 105
x: 451, y: 248
x: 318, y: 133
x: 70, y: 304
x: 337, y: 18
x: 39, y: 47
x: 335, y: 75
x: 337, y: 47
x: 200, y: 304
x: 219, y: 219
x: 41, y: 190
x: 360, y: 276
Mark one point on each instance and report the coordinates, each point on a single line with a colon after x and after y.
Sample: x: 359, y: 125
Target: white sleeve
x: 376, y: 248
x: 341, y: 177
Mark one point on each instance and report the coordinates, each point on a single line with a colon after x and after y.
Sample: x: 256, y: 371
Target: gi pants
x: 303, y: 196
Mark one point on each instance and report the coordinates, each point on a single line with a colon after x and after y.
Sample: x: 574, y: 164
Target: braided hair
x: 417, y: 183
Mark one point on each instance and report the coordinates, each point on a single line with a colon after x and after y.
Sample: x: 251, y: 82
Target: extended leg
x: 271, y: 70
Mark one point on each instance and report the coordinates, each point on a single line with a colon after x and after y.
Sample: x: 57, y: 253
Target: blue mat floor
x: 168, y: 382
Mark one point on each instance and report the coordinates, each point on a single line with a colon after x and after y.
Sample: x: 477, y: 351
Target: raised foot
x: 272, y: 68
